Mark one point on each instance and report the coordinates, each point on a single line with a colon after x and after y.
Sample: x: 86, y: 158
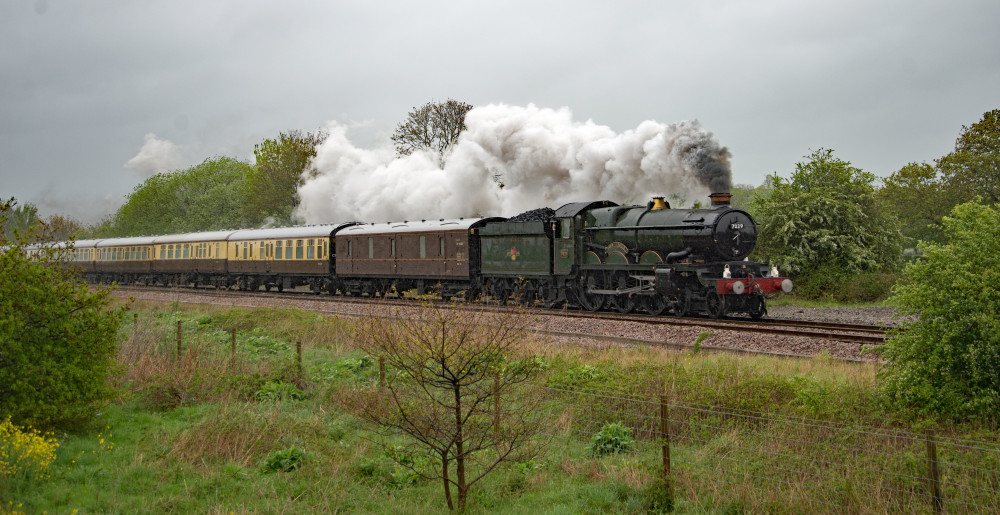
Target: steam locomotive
x: 595, y: 255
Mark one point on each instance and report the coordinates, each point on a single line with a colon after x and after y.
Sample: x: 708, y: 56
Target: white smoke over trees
x: 156, y: 155
x: 511, y: 159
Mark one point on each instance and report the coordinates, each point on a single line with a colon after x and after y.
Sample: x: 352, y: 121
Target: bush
x: 613, y: 438
x: 947, y: 362
x: 58, y: 339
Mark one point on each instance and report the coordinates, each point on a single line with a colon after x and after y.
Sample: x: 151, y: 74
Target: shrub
x: 613, y: 438
x: 947, y: 362
x: 58, y: 339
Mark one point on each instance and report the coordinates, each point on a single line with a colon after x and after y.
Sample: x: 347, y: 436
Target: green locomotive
x: 601, y: 255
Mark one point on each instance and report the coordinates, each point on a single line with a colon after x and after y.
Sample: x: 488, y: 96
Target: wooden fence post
x: 179, y: 340
x: 381, y: 372
x: 298, y: 352
x: 496, y: 405
x: 933, y: 474
x: 665, y: 430
x: 233, y: 354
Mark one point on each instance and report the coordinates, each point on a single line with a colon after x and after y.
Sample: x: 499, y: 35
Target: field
x: 262, y: 422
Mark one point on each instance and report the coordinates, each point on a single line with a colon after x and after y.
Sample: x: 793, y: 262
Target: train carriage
x: 284, y: 257
x: 191, y: 258
x: 123, y: 260
x: 442, y: 256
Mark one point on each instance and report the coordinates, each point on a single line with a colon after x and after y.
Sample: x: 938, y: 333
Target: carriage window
x: 423, y: 247
x: 187, y: 250
x: 371, y: 248
x: 565, y: 229
x: 441, y: 244
x: 170, y: 252
x: 392, y: 250
x: 245, y: 247
x: 311, y: 249
x: 277, y: 250
x: 298, y: 249
x: 350, y: 248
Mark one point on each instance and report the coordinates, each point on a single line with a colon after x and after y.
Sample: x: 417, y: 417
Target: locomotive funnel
x: 720, y: 199
x: 658, y: 204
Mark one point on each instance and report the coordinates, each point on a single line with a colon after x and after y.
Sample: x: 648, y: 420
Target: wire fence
x: 764, y: 461
x: 769, y: 461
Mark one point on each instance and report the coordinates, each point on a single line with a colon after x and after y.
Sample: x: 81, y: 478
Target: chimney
x: 720, y: 199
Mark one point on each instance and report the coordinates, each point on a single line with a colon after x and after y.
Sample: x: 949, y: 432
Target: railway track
x: 852, y: 333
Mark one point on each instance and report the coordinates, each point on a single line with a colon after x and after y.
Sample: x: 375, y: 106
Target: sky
x: 97, y: 95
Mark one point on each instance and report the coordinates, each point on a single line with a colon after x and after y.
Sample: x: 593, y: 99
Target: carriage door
x: 562, y: 248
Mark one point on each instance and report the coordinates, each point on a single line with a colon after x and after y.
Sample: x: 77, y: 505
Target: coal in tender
x: 535, y: 215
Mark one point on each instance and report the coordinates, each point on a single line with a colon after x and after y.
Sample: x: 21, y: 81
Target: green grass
x: 200, y: 434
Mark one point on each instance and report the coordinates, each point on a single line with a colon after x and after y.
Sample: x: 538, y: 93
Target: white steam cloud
x: 509, y: 160
x: 156, y: 155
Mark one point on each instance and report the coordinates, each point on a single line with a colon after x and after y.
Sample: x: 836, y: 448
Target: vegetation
x: 458, y: 378
x: 57, y: 337
x: 433, y: 127
x: 947, y: 361
x: 219, y: 447
x: 202, y: 198
x: 825, y: 224
x: 270, y: 193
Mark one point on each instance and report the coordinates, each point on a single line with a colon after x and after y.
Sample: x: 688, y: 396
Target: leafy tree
x: 433, y: 127
x: 455, y: 391
x: 826, y: 219
x: 19, y: 219
x: 973, y: 168
x: 743, y: 195
x: 919, y: 198
x: 271, y: 190
x: 208, y: 196
x: 947, y: 362
x: 57, y: 336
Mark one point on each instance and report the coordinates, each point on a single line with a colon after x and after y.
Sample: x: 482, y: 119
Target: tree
x: 58, y: 339
x: 205, y: 197
x: 433, y: 127
x: 19, y: 219
x: 271, y: 191
x: 826, y: 218
x: 456, y: 391
x: 919, y: 198
x: 947, y: 361
x: 973, y: 168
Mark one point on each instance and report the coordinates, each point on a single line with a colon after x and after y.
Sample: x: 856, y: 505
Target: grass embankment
x: 210, y: 433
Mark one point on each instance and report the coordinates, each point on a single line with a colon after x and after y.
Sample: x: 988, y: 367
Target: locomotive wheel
x: 499, y: 291
x: 624, y: 304
x: 682, y: 306
x: 591, y: 301
x: 654, y: 305
x: 526, y: 291
x: 715, y: 304
x: 757, y: 307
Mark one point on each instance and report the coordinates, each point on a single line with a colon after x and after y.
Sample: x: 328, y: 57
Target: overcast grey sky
x: 84, y: 83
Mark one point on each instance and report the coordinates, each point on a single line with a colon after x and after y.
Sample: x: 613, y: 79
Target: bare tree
x: 457, y: 390
x: 433, y: 126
